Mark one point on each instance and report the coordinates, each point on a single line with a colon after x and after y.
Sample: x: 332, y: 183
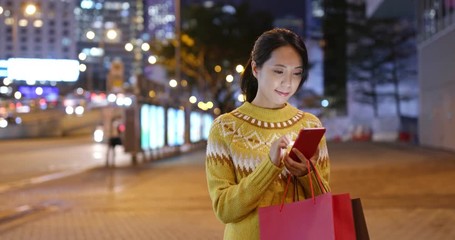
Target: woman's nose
x: 287, y: 80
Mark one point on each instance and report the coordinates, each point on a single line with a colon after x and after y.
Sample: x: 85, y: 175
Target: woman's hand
x: 297, y: 169
x: 277, y: 150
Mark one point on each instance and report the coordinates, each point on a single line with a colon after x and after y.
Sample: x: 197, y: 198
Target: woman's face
x: 278, y: 78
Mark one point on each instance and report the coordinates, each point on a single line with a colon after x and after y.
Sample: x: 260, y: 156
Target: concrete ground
x: 408, y: 192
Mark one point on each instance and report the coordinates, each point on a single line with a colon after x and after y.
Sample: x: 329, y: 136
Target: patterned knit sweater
x: 240, y: 175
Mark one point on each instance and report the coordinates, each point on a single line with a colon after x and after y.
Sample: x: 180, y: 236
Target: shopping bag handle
x: 285, y: 191
x: 321, y: 185
x: 310, y: 166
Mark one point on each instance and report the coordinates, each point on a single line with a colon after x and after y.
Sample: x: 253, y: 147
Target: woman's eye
x: 278, y: 71
x: 298, y: 74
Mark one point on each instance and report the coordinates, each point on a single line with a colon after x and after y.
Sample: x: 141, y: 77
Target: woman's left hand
x: 297, y: 169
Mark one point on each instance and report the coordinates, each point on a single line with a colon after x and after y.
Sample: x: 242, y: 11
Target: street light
x: 129, y: 47
x: 229, y: 78
x: 173, y: 83
x: 111, y: 34
x: 145, y: 47
x: 90, y: 35
x: 193, y: 99
x: 239, y: 68
x: 152, y: 59
x: 30, y: 9
x: 82, y: 67
x: 241, y: 98
x: 82, y: 56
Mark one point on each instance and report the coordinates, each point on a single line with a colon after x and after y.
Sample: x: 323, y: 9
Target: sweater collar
x: 268, y: 114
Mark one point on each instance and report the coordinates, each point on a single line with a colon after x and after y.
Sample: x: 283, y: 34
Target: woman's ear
x: 254, y: 69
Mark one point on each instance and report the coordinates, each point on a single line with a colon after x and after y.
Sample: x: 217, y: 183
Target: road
x: 407, y: 193
x: 42, y: 159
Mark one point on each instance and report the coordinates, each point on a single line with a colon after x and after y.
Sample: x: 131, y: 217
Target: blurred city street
x: 406, y: 192
x: 151, y: 76
x: 39, y: 159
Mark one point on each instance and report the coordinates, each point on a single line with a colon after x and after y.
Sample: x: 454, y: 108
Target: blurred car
x: 74, y: 104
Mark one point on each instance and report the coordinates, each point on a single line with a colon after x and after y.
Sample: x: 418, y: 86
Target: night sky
x: 278, y: 8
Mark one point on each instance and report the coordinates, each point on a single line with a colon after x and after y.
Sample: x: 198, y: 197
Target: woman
x: 246, y: 161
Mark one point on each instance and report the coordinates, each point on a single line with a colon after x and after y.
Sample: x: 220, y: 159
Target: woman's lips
x: 283, y: 94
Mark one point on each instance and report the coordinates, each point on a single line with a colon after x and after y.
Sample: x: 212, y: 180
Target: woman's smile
x: 283, y: 94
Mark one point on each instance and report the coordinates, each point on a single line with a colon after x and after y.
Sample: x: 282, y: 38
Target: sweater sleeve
x: 232, y: 201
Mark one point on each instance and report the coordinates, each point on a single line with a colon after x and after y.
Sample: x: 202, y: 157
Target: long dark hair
x: 262, y: 50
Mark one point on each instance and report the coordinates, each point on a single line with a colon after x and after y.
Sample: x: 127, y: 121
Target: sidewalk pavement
x: 407, y: 193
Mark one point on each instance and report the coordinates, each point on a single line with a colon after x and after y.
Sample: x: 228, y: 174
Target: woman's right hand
x: 278, y: 149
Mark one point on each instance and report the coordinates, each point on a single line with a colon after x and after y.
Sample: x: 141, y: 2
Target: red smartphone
x: 307, y: 142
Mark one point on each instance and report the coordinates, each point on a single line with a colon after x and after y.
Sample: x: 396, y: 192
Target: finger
x: 286, y: 139
x: 282, y: 146
x: 293, y: 165
x: 296, y: 171
x: 299, y: 155
x: 289, y: 167
x: 296, y: 167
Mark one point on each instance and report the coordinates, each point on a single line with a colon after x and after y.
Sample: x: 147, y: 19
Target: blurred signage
x: 115, y: 76
x: 34, y: 69
x: 152, y: 127
x: 195, y: 126
x: 32, y: 92
x: 175, y: 126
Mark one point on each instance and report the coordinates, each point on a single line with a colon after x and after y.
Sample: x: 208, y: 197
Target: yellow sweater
x: 240, y: 175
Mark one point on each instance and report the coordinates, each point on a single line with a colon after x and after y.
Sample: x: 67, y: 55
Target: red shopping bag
x: 328, y: 217
x: 324, y: 217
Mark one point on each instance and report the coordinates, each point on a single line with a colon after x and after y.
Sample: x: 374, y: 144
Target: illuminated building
x: 37, y: 29
x: 108, y: 31
x: 160, y: 20
x: 37, y: 51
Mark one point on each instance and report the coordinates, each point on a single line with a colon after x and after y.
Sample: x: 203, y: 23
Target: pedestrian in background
x: 247, y: 162
x: 115, y: 139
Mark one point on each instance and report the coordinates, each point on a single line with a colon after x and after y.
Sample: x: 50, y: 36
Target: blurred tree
x: 220, y: 35
x: 379, y: 54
